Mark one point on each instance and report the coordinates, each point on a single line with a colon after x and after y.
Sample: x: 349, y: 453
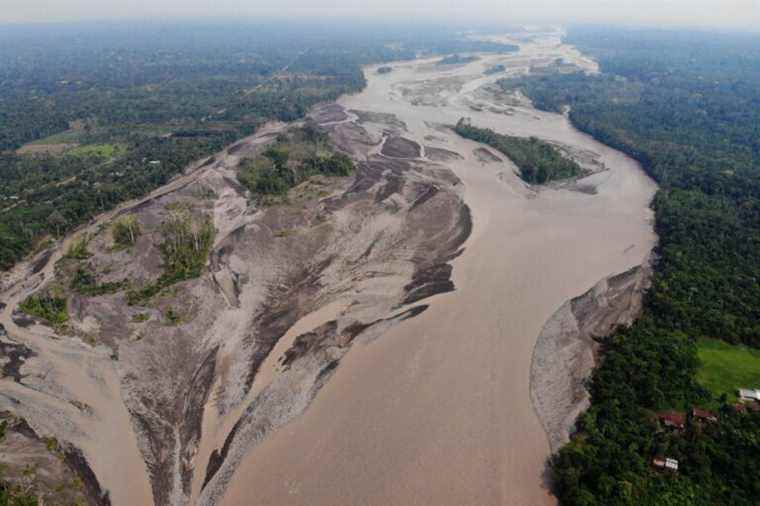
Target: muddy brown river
x: 435, y: 409
x: 438, y: 410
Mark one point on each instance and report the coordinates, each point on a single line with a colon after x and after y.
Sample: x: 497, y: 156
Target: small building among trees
x: 702, y: 414
x: 666, y: 464
x: 749, y: 394
x: 672, y: 419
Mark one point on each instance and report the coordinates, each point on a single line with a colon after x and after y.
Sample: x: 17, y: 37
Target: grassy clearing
x: 99, y: 150
x: 54, y: 145
x: 726, y: 368
x: 45, y: 149
x: 67, y: 137
x: 67, y: 144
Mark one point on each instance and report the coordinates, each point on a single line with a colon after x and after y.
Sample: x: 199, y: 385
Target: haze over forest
x: 741, y: 14
x: 496, y: 252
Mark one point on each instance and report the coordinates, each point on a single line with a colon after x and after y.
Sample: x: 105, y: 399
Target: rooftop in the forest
x: 675, y: 419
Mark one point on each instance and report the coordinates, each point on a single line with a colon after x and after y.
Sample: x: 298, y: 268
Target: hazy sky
x: 736, y: 13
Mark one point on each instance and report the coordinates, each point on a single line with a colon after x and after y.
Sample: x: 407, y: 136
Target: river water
x: 438, y: 410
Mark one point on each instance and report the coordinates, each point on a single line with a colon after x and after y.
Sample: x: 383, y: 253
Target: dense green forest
x: 685, y: 104
x: 539, y: 162
x: 109, y: 111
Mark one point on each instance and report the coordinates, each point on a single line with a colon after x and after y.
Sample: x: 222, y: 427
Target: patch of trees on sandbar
x: 295, y: 156
x: 539, y: 162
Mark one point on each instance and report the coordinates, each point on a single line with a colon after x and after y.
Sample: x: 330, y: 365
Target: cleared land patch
x: 99, y: 150
x: 52, y: 145
x: 725, y: 368
x: 45, y: 149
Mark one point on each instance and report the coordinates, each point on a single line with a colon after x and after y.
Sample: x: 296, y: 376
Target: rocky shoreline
x: 566, y: 349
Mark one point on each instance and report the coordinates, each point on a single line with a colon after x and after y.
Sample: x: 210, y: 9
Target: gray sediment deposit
x: 56, y: 472
x: 566, y: 349
x: 437, y: 409
x: 175, y: 402
x: 441, y: 154
x: 486, y: 156
x: 400, y: 147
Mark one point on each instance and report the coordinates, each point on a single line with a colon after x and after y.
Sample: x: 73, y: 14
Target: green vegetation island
x: 496, y: 69
x: 295, y: 156
x: 684, y: 104
x: 456, y: 59
x: 539, y: 162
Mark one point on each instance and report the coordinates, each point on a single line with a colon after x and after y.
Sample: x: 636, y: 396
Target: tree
x: 126, y: 230
x: 57, y: 221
